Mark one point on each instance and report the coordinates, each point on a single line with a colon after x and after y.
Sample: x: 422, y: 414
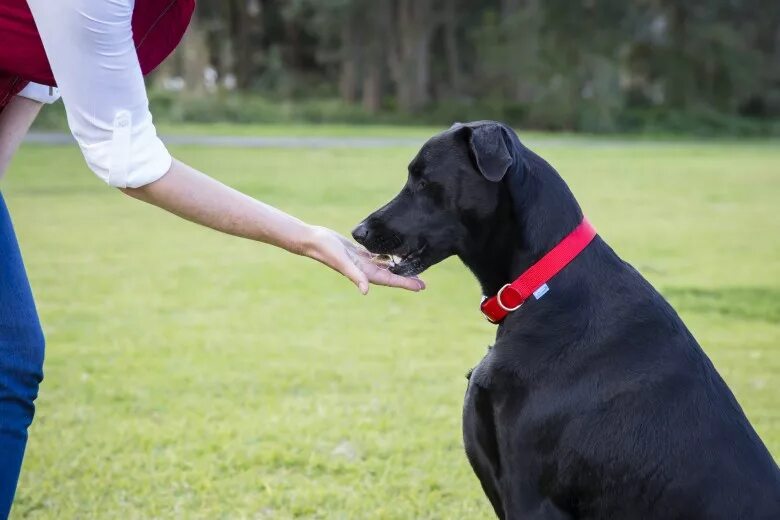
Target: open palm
x: 357, y: 264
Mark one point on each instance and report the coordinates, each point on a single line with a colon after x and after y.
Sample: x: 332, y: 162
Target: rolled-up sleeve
x: 40, y: 93
x: 91, y: 52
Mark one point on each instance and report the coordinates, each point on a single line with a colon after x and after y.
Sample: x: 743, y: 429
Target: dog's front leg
x: 510, y: 487
x: 479, y: 439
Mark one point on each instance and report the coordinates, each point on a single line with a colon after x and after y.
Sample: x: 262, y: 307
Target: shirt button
x: 122, y: 120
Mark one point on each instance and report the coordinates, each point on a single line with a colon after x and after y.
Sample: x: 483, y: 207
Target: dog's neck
x: 536, y: 211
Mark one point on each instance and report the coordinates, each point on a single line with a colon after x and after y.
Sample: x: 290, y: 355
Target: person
x: 95, y: 54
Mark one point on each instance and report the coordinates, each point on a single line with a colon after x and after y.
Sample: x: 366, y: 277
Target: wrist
x: 307, y: 241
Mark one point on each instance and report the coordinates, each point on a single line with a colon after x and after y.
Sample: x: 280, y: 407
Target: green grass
x: 194, y: 375
x: 423, y: 132
x: 297, y: 130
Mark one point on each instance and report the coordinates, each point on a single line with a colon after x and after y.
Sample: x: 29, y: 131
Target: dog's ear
x: 488, y: 146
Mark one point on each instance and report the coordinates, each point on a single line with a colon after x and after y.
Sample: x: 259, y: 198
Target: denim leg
x: 21, y: 360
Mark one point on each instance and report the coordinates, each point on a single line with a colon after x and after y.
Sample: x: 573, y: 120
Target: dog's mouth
x: 409, y: 264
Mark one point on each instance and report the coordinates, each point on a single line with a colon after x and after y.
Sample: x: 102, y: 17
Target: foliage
x: 585, y: 65
x: 246, y: 109
x: 185, y: 379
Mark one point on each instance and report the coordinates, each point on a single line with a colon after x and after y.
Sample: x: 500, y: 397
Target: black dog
x: 595, y: 401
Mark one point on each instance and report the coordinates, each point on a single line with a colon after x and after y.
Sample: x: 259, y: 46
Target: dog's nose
x: 360, y: 233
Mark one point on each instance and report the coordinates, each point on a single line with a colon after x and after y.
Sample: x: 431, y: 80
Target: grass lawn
x: 297, y: 130
x: 194, y: 375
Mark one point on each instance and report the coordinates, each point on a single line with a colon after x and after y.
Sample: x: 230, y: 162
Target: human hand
x: 354, y: 261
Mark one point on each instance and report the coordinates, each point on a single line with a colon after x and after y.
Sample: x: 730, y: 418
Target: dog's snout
x: 360, y: 233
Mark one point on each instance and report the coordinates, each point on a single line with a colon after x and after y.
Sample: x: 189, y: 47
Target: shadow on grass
x: 749, y: 303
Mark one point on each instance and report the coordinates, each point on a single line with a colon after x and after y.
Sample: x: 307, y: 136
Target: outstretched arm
x: 194, y: 196
x: 92, y: 54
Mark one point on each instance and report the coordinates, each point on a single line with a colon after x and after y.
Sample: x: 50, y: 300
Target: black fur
x: 595, y: 401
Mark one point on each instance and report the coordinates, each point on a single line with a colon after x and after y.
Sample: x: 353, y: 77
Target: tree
x: 412, y: 25
x: 546, y: 63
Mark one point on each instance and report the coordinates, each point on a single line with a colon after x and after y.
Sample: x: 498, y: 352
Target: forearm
x: 194, y: 196
x: 15, y: 121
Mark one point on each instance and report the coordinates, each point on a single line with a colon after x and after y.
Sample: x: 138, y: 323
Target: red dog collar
x: 512, y: 295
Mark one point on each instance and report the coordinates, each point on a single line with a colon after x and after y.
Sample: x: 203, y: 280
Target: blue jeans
x: 21, y: 359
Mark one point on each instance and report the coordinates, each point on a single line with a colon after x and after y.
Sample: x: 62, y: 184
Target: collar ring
x: 501, y: 304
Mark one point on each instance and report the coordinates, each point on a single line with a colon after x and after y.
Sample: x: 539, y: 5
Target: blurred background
x: 184, y: 376
x: 657, y: 66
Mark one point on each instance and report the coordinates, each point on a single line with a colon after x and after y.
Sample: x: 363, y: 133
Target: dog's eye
x: 421, y: 184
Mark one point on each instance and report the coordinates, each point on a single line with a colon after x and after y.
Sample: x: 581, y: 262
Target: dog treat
x: 385, y: 261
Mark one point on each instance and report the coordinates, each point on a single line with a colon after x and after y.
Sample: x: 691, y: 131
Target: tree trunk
x: 413, y: 25
x: 679, y: 73
x: 454, y: 71
x: 348, y: 82
x: 510, y: 6
x: 520, y: 24
x: 373, y: 71
x: 195, y: 57
x: 241, y: 45
x: 422, y: 64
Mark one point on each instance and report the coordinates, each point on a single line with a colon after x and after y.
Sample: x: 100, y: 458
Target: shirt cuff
x: 40, y: 93
x: 134, y: 156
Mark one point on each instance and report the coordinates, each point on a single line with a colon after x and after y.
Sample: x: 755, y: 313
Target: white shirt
x: 91, y: 51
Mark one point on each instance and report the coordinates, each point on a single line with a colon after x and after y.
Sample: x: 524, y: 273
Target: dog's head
x: 452, y: 192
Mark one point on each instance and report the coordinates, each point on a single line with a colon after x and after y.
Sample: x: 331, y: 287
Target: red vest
x: 158, y: 26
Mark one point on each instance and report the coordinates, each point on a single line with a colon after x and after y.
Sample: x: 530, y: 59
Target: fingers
x: 384, y: 277
x: 419, y: 281
x: 379, y: 276
x: 357, y: 265
x: 351, y: 270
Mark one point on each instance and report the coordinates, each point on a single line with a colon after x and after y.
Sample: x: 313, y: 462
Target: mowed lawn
x: 194, y: 375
